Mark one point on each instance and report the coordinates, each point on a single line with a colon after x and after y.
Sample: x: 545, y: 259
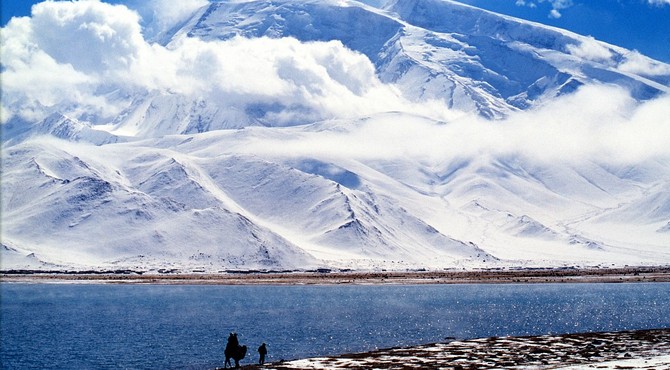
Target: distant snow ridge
x: 60, y: 126
x: 421, y: 134
x: 509, y: 61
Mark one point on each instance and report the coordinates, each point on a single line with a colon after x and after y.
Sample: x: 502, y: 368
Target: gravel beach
x: 639, y: 349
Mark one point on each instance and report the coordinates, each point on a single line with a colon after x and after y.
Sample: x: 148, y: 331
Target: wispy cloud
x: 160, y: 16
x: 556, y: 5
x: 634, y: 62
x: 597, y: 123
x: 591, y: 49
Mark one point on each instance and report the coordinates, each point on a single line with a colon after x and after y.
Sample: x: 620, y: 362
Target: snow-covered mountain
x: 305, y: 134
x: 468, y: 58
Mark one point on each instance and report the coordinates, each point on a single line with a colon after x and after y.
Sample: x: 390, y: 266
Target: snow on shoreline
x: 647, y: 362
x: 634, y: 349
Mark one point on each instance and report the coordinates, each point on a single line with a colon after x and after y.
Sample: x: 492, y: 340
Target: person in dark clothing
x: 262, y: 351
x: 232, y: 341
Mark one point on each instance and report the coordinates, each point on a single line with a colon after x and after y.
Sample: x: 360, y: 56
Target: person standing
x: 262, y: 351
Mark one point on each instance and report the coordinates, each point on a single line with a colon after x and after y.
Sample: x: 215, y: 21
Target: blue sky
x: 633, y: 24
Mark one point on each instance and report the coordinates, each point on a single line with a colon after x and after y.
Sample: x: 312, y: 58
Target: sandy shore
x: 493, y: 276
x: 640, y: 349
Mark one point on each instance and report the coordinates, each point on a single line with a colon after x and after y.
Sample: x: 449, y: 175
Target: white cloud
x: 560, y: 4
x: 32, y: 79
x: 89, y: 58
x: 530, y: 4
x: 590, y: 49
x: 634, y: 62
x: 89, y: 35
x: 646, y: 134
x: 556, y: 5
x: 598, y: 123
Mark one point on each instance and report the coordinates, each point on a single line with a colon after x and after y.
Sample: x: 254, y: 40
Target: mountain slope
x: 309, y: 134
x: 186, y: 201
x: 145, y: 204
x: 72, y: 209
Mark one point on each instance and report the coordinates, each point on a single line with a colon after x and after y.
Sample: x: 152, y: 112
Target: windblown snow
x: 335, y: 134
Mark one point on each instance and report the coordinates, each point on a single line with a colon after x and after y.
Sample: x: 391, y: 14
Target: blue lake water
x: 70, y: 326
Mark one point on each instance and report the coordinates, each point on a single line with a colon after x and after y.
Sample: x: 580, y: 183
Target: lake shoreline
x: 328, y: 277
x: 633, y: 349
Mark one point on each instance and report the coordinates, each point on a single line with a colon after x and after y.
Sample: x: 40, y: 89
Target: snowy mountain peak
x: 469, y: 59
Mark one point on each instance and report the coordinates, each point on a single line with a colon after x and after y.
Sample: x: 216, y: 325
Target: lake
x: 102, y: 326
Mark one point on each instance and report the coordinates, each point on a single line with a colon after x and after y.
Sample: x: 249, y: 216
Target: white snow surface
x: 649, y: 362
x: 421, y: 134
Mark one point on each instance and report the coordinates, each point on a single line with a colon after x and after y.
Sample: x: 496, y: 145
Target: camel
x: 236, y: 354
x: 234, y: 351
